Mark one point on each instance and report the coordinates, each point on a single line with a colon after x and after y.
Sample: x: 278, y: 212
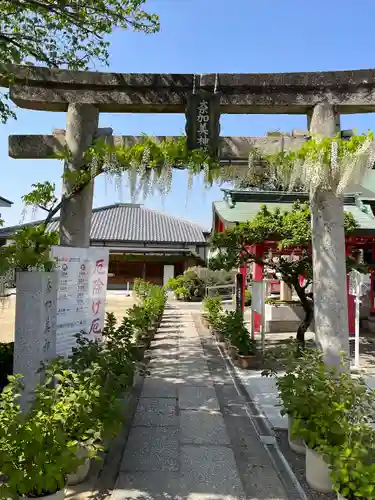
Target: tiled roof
x: 6, y: 202
x: 133, y: 223
x: 236, y: 209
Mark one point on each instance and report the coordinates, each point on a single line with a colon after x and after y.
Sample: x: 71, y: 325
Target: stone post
x: 35, y: 327
x: 285, y: 292
x: 328, y: 249
x: 75, y: 218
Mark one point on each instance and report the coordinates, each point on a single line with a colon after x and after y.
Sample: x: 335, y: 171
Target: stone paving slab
x: 202, y: 427
x: 198, y: 380
x: 151, y: 449
x: 151, y: 485
x: 197, y: 398
x: 162, y: 370
x: 154, y: 388
x: 163, y: 353
x: 210, y: 470
x: 156, y: 412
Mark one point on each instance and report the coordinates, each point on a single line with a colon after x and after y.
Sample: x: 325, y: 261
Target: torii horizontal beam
x: 286, y: 93
x: 231, y: 149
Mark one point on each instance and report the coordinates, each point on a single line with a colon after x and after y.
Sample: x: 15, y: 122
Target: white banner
x: 257, y: 296
x: 81, y: 294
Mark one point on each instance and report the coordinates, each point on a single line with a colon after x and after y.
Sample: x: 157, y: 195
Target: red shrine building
x: 242, y: 205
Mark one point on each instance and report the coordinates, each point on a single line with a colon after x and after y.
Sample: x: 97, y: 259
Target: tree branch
x: 43, y: 208
x: 40, y: 56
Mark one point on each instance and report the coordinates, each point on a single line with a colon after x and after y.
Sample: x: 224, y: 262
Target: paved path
x: 191, y: 436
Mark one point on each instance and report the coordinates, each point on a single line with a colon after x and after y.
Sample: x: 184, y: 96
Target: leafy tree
x: 63, y: 33
x: 290, y: 231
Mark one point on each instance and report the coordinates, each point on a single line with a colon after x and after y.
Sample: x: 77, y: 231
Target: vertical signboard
x: 239, y: 292
x: 81, y: 294
x: 258, y: 291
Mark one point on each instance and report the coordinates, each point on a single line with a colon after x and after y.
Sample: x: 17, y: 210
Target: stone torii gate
x: 84, y: 94
x: 321, y: 96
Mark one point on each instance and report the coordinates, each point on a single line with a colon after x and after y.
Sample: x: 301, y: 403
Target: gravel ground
x: 297, y: 464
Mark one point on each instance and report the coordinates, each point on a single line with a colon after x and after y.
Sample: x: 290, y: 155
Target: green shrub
x: 324, y: 402
x: 248, y: 298
x: 192, y: 284
x: 36, y: 452
x: 174, y: 283
x: 182, y: 293
x: 232, y: 325
x: 353, y: 464
x: 213, y: 309
x: 79, y: 402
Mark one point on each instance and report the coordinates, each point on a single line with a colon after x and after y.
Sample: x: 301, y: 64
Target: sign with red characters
x: 81, y: 294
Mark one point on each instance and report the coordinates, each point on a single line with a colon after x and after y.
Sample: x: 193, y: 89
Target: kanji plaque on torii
x: 203, y: 122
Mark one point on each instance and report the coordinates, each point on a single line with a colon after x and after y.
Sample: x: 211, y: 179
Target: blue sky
x: 203, y: 36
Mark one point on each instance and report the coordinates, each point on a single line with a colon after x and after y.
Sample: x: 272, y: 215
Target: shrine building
x: 5, y: 203
x: 242, y: 205
x: 143, y: 243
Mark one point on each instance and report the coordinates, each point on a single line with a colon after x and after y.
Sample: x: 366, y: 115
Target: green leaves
x: 43, y: 195
x: 71, y: 34
x: 149, y: 163
x: 332, y: 412
x: 30, y: 250
x: 321, y: 163
x: 353, y: 467
x: 230, y: 324
x: 77, y: 406
x: 213, y: 309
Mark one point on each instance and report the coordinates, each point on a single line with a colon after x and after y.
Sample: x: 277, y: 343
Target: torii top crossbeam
x: 291, y: 93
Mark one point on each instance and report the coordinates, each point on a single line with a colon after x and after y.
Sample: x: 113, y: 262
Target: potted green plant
x: 140, y: 321
x: 353, y: 464
x: 213, y: 310
x: 332, y: 402
x: 247, y: 354
x: 36, y: 453
x: 78, y: 396
x: 242, y: 347
x: 116, y: 366
x: 291, y: 385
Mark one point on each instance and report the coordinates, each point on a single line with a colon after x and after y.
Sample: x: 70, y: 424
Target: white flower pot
x: 59, y: 495
x: 297, y: 444
x: 317, y: 472
x: 81, y: 473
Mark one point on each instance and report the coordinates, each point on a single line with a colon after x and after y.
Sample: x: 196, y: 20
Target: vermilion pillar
x: 220, y: 226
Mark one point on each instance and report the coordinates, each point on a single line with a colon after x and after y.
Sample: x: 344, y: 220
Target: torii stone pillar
x: 76, y: 213
x: 328, y: 249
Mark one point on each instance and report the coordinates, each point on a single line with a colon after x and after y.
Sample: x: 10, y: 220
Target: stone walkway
x: 192, y: 436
